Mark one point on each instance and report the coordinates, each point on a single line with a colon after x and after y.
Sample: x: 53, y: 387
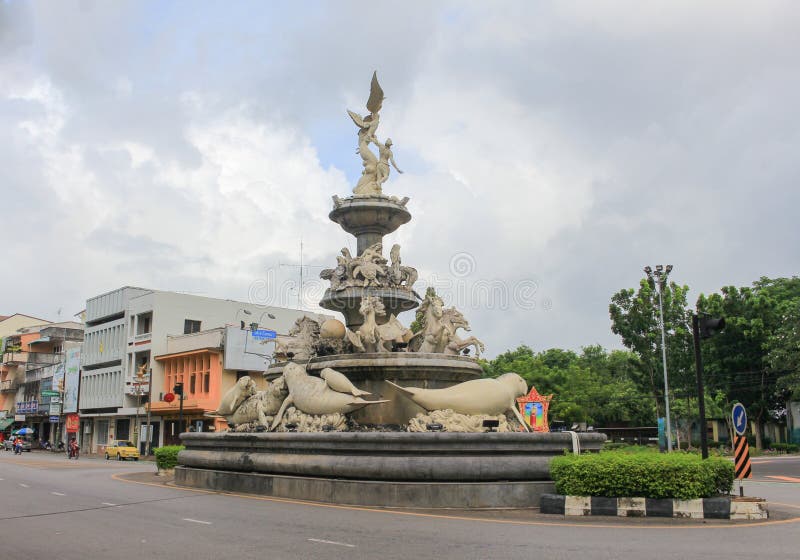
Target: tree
x: 748, y: 358
x: 592, y: 387
x: 635, y: 317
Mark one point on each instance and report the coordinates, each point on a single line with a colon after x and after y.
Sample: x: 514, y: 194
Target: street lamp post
x: 139, y: 380
x: 659, y: 278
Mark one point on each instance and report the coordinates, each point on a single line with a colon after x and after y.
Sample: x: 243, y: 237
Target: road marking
x: 332, y: 542
x: 737, y: 526
x: 786, y: 478
x: 24, y: 485
x: 197, y: 521
x: 57, y: 494
x: 107, y: 504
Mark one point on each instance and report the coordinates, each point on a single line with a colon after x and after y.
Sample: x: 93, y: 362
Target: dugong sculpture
x: 236, y: 395
x: 479, y: 396
x: 314, y: 395
x: 338, y: 382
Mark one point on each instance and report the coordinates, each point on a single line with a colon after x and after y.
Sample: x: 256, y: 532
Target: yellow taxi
x: 122, y: 449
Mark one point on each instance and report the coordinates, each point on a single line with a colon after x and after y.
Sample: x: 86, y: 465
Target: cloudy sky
x: 550, y: 149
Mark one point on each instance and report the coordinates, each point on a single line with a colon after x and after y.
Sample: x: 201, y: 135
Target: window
x: 190, y: 326
x: 206, y: 379
x: 192, y: 384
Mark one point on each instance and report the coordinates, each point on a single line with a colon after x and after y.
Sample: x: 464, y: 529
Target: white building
x: 128, y: 328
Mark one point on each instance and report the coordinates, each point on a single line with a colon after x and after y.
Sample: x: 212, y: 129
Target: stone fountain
x: 367, y: 404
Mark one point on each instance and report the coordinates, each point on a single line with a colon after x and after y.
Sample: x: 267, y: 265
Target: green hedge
x: 167, y: 456
x: 645, y: 474
x: 785, y: 447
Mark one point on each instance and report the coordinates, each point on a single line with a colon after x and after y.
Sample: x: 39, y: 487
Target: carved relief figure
x: 399, y: 275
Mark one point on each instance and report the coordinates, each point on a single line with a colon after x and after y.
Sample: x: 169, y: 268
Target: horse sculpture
x: 372, y: 337
x: 439, y: 334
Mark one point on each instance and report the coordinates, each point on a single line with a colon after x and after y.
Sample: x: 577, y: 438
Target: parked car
x: 121, y: 449
x: 8, y: 444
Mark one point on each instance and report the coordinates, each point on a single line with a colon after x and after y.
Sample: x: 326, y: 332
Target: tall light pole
x: 659, y: 279
x: 140, y: 374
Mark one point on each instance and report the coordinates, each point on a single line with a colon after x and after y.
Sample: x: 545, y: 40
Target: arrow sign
x: 739, y: 416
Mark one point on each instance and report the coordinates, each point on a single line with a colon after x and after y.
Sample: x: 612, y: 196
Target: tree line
x: 754, y: 360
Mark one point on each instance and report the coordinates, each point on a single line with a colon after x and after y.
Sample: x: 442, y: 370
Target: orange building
x: 198, y: 361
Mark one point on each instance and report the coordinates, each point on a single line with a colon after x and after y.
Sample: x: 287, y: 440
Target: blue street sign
x: 53, y: 419
x: 739, y: 416
x: 263, y: 334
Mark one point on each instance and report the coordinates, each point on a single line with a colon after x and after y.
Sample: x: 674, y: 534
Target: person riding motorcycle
x: 17, y: 445
x: 73, y: 449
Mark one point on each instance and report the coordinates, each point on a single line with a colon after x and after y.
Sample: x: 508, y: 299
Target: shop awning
x: 5, y: 423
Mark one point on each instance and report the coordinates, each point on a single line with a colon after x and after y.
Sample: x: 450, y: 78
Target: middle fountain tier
x: 367, y: 274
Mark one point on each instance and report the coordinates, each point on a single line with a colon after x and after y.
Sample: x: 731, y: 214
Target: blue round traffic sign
x: 739, y: 416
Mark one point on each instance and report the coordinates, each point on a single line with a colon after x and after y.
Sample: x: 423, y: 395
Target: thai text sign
x: 72, y: 422
x: 72, y: 379
x: 28, y: 407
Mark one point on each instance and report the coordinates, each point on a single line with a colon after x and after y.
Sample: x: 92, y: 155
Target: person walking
x: 73, y: 449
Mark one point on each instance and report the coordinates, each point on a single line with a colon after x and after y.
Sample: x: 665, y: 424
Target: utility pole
x: 660, y: 281
x: 149, y: 400
x: 302, y: 267
x: 139, y: 380
x: 703, y: 327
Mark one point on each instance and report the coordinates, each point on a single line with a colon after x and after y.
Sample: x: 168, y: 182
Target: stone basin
x: 393, y: 469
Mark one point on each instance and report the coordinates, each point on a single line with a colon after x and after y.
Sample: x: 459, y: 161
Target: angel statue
x: 368, y: 183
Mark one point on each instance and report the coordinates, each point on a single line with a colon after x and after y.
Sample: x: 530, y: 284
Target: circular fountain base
x: 371, y: 371
x: 398, y: 469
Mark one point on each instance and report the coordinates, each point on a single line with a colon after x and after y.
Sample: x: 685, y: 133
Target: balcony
x: 10, y: 385
x: 15, y: 358
x: 43, y: 358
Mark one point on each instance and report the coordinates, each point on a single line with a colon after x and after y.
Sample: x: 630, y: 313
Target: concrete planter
x: 704, y: 508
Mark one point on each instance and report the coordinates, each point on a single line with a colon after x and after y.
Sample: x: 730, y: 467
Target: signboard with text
x: 28, y: 407
x: 72, y: 423
x: 72, y: 379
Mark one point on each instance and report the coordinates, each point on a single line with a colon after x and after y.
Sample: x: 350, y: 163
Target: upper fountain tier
x: 369, y: 218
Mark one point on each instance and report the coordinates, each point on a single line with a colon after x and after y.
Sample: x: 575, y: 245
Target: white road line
x: 107, y: 504
x: 24, y: 485
x: 197, y: 521
x: 332, y: 542
x: 57, y: 494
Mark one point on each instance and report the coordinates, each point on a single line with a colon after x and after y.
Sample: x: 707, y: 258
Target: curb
x: 702, y: 508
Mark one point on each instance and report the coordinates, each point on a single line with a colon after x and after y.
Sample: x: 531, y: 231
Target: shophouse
x: 12, y: 370
x: 33, y: 364
x: 129, y: 328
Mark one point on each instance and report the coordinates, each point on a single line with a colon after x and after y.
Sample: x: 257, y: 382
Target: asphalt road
x: 52, y: 508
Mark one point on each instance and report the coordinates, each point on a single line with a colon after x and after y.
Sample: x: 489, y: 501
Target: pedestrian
x: 73, y: 449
